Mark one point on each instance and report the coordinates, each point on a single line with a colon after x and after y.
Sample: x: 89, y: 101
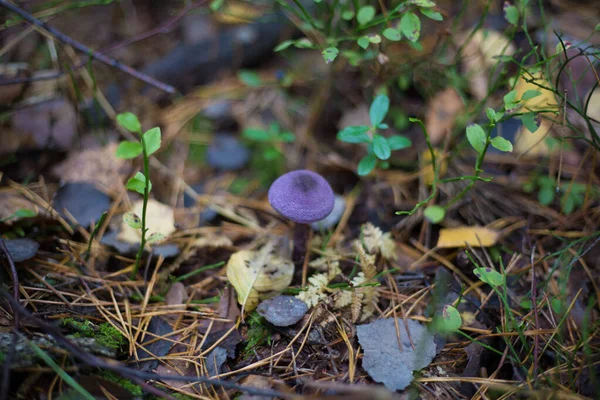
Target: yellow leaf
x: 533, y: 144
x: 258, y: 274
x: 442, y: 111
x: 473, y: 235
x: 237, y: 13
x: 593, y: 110
x: 545, y: 101
x: 427, y: 169
x: 159, y: 219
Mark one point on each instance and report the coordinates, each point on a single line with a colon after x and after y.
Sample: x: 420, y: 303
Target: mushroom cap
x: 302, y: 196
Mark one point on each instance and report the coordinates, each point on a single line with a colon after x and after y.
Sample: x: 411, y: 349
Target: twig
x: 16, y: 313
x: 536, y: 338
x: 81, y: 47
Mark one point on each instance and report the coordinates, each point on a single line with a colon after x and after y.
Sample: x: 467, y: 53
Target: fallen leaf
x: 536, y: 83
x: 155, y: 347
x: 258, y: 274
x: 385, y: 360
x: 441, y: 114
x: 471, y: 235
x: 533, y: 144
x: 159, y: 219
x: 427, y: 168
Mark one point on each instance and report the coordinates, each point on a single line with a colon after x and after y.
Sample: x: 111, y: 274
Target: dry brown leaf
x: 159, y: 219
x: 96, y: 166
x: 472, y: 235
x: 442, y: 111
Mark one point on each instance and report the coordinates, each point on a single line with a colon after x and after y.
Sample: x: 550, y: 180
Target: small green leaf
x: 383, y: 126
x: 510, y: 100
x: 530, y: 94
x: 365, y: 14
x: 155, y: 237
x: 374, y: 38
x: 567, y: 203
x: 363, y: 42
x: 25, y: 213
x: 392, y: 34
x: 216, y: 4
x: 489, y: 276
x: 304, y: 43
x: 432, y: 14
x: 410, y: 26
x: 366, y: 165
x: 379, y: 109
x: 476, y: 137
x: 250, y: 78
x: 130, y: 122
x: 398, y: 142
x: 435, y: 214
x: 347, y: 15
x: 556, y: 305
x: 491, y: 114
x: 381, y: 147
x: 526, y: 304
x: 330, y: 54
x: 529, y: 120
x: 449, y: 321
x: 256, y: 134
x: 354, y: 134
x: 128, y: 149
x: 501, y: 144
x: 546, y: 195
x: 283, y: 45
x: 287, y: 137
x: 511, y: 13
x: 152, y: 140
x: 423, y: 3
x: 132, y: 220
x: 138, y: 183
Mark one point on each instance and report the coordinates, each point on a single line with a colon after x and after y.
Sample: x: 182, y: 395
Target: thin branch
x: 93, y: 54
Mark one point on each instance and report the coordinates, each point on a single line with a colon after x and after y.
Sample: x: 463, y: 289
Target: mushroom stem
x: 301, y: 232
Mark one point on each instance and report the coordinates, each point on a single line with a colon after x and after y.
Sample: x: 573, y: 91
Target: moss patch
x: 105, y: 334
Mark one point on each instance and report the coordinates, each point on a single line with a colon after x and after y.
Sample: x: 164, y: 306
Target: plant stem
x: 144, y: 207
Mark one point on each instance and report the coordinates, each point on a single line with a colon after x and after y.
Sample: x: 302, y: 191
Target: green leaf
x: 449, y: 321
x: 501, y: 144
x: 287, y: 137
x: 374, y: 38
x: 24, y: 213
x: 383, y: 126
x: 152, y: 140
x: 567, y: 203
x: 283, y: 45
x: 410, y: 26
x: 155, y: 237
x: 529, y: 121
x: 132, y: 220
x: 379, y: 109
x: 365, y: 15
x: 392, y: 34
x: 476, y: 137
x: 423, y: 3
x: 347, y: 15
x: 250, y: 78
x: 381, y: 147
x: 491, y: 114
x: 510, y: 100
x: 128, y: 149
x: 366, y: 165
x: 130, y: 122
x: 489, y: 276
x: 330, y: 54
x: 138, y: 183
x: 432, y: 14
x: 363, y: 42
x: 354, y: 134
x: 530, y: 94
x: 556, y: 305
x: 435, y: 214
x: 256, y: 134
x: 398, y: 142
x: 304, y: 43
x: 511, y: 13
x: 216, y: 4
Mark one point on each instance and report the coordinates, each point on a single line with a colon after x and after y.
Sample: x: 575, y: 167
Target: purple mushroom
x: 301, y: 196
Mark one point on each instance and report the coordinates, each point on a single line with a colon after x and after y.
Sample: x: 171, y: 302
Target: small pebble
x: 283, y: 310
x: 21, y: 249
x: 227, y: 153
x: 82, y: 200
x: 339, y: 206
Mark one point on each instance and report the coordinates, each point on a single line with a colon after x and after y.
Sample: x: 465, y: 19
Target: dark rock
x: 82, y: 200
x: 283, y: 310
x: 227, y: 153
x: 208, y: 214
x: 21, y: 249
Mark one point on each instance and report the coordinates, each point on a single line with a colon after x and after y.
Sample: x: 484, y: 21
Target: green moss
x: 258, y: 332
x: 105, y: 334
x: 126, y: 384
x: 110, y: 337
